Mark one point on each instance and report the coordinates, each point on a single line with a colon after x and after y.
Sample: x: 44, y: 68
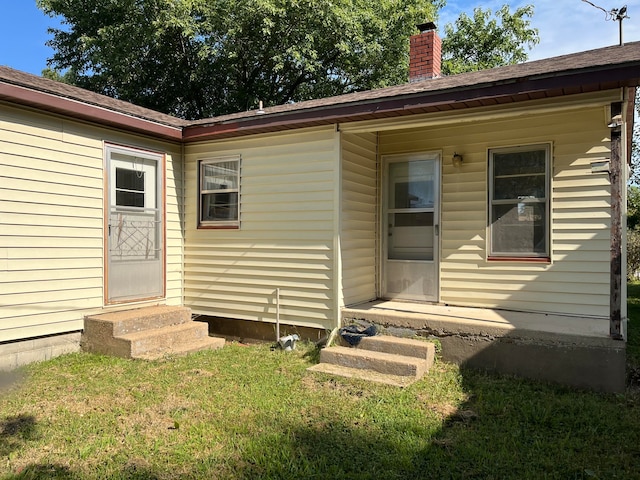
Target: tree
x: 633, y: 207
x: 198, y: 58
x: 635, y: 144
x: 483, y: 42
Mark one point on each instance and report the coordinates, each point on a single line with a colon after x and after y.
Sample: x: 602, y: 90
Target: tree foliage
x: 633, y: 207
x: 635, y: 144
x: 198, y: 58
x: 633, y: 231
x: 480, y: 42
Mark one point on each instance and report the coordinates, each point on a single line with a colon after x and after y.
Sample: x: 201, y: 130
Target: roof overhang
x: 605, y: 69
x: 454, y: 99
x: 76, y: 109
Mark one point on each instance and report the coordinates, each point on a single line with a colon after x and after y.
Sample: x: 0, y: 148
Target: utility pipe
x: 277, y: 314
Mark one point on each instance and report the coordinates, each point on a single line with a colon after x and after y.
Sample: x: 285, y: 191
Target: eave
x: 494, y: 93
x: 76, y: 109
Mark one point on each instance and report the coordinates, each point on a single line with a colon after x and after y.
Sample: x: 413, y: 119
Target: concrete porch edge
x: 556, y: 348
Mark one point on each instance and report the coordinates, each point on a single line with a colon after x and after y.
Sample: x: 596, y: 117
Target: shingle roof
x: 589, y: 61
x: 603, y: 68
x: 14, y: 77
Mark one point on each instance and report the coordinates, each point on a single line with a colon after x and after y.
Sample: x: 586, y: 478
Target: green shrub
x: 633, y: 254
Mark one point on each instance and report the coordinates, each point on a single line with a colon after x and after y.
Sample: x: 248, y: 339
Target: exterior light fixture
x: 456, y: 160
x: 615, y: 122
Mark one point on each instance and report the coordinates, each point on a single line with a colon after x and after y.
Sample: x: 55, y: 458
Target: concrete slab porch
x: 575, y: 351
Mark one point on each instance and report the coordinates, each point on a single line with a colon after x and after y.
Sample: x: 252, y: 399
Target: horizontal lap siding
x: 51, y: 222
x: 286, y: 236
x: 174, y: 226
x: 577, y: 280
x: 359, y: 219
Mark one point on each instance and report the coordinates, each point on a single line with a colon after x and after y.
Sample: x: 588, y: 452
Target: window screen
x: 519, y: 206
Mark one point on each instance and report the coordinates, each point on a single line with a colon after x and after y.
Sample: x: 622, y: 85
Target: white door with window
x: 135, y: 247
x: 410, y: 226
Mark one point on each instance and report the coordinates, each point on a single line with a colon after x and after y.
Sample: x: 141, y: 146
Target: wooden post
x: 616, y: 177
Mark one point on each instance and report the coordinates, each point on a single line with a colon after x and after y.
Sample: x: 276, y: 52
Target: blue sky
x: 566, y: 26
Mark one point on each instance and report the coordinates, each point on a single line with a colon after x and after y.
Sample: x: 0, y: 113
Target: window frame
x: 514, y: 255
x: 219, y: 224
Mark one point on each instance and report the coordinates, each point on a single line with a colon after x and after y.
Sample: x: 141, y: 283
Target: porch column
x: 616, y: 178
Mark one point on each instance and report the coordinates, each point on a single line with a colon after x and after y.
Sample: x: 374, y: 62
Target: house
x: 476, y: 207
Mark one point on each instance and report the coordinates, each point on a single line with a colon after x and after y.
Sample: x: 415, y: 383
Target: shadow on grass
x: 15, y: 431
x: 33, y: 472
x: 509, y: 429
x: 131, y: 471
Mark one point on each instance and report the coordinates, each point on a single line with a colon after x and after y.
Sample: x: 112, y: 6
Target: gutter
x: 427, y: 101
x: 85, y: 111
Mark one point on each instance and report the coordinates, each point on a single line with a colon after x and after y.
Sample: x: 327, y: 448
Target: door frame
x: 161, y: 201
x: 383, y: 187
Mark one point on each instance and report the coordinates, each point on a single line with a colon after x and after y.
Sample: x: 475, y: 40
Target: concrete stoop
x: 382, y: 359
x: 147, y: 333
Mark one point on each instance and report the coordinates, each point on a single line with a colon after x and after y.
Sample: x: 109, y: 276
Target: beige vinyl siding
x: 286, y: 234
x: 359, y: 220
x: 51, y: 222
x: 577, y: 280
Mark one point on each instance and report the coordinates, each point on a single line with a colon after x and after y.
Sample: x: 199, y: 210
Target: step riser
x: 147, y: 333
x: 158, y: 340
x: 399, y: 346
x: 124, y: 323
x: 410, y: 367
x: 209, y: 343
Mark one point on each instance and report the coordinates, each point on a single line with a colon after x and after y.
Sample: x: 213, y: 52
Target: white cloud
x: 565, y: 26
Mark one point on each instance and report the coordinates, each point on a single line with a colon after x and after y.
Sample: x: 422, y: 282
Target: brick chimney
x: 425, y: 53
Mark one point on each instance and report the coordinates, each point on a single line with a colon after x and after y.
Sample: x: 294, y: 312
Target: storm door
x: 135, y: 242
x: 410, y: 227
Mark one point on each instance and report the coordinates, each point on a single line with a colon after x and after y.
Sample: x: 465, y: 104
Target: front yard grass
x: 249, y: 412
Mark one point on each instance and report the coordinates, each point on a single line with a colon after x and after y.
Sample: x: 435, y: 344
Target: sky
x: 565, y: 26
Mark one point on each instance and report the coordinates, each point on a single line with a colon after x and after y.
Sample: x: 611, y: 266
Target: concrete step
x: 115, y: 324
x: 381, y: 358
x: 208, y: 343
x: 147, y: 333
x: 164, y: 338
x: 368, y: 375
x: 407, y: 347
x: 387, y: 363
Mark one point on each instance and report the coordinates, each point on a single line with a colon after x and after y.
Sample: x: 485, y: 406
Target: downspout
x: 337, y: 229
x: 183, y: 221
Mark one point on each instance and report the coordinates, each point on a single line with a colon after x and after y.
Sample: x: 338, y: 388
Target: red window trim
x: 520, y: 259
x: 218, y: 227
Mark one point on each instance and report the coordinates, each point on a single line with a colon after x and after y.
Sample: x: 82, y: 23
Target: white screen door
x: 135, y: 225
x: 410, y: 227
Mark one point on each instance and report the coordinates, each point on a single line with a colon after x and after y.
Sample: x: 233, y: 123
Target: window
x: 129, y: 187
x: 519, y: 201
x: 220, y: 192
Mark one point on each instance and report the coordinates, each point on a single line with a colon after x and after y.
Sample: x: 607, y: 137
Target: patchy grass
x: 249, y: 412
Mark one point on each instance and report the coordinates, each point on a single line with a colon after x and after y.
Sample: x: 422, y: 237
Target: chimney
x: 425, y: 53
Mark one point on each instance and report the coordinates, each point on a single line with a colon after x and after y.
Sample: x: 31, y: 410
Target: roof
x: 50, y: 95
x: 594, y: 70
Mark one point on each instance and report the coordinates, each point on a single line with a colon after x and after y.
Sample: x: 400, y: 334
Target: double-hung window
x: 219, y: 192
x: 519, y: 201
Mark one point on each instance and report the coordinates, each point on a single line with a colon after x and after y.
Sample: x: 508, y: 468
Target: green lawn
x: 249, y: 412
